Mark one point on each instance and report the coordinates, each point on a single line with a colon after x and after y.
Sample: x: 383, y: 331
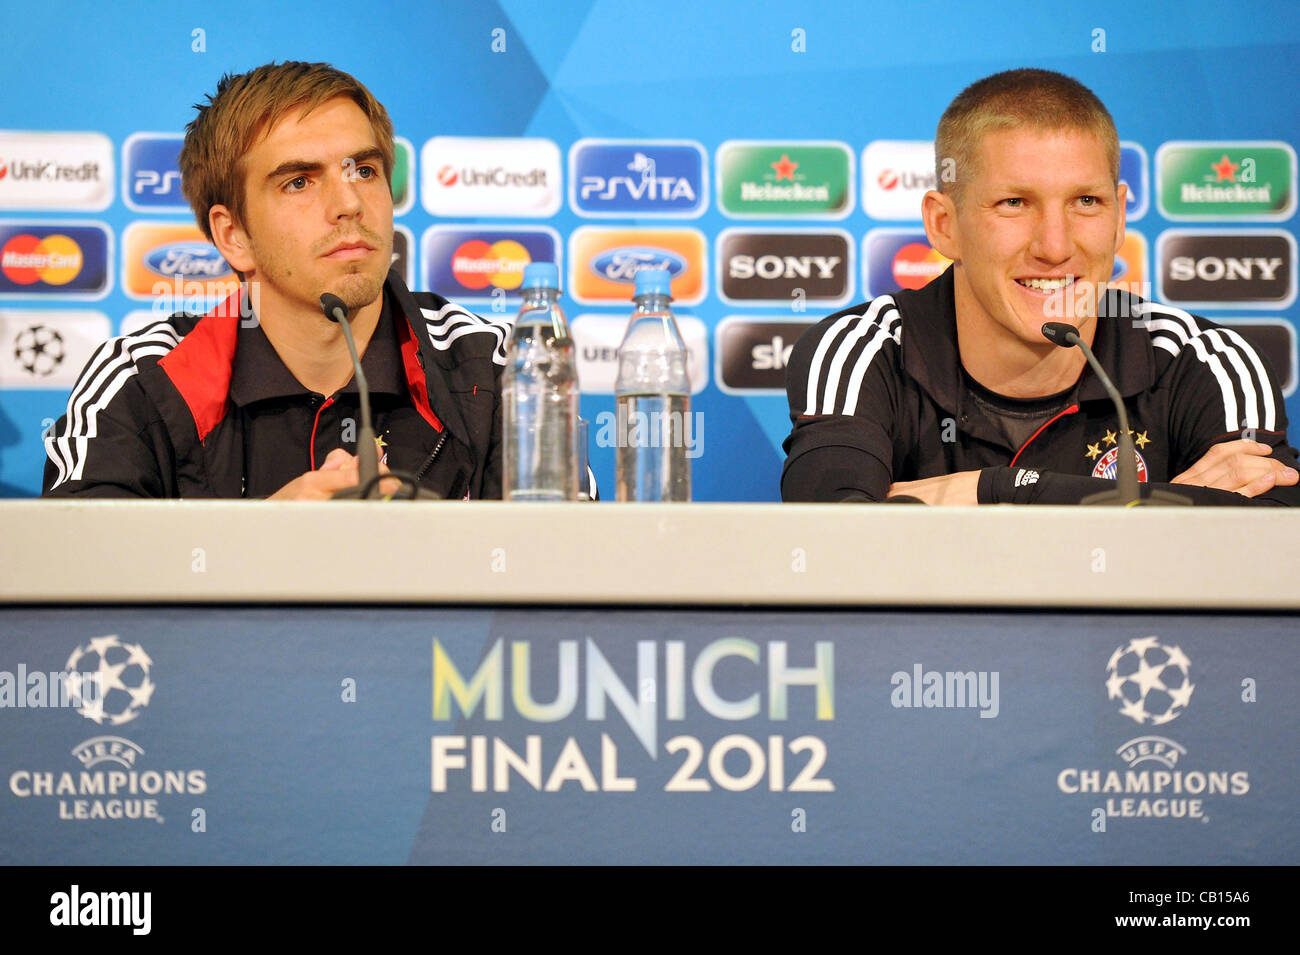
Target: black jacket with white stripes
x: 151, y: 414
x: 876, y: 396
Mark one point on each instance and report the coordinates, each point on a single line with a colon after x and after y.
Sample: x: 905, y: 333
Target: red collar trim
x: 1060, y: 414
x: 415, y: 381
x: 200, y: 365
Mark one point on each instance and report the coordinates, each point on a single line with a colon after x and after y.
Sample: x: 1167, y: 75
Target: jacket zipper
x: 429, y: 463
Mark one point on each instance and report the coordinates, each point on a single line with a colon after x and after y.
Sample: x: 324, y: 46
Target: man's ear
x: 939, y: 214
x: 230, y: 239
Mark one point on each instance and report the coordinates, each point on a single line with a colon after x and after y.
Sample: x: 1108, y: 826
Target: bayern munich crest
x: 1107, y: 465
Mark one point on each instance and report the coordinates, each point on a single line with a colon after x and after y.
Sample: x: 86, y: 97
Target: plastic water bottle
x: 653, y: 399
x: 540, y: 391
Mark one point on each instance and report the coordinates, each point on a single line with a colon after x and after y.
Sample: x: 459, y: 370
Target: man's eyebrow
x: 294, y: 165
x: 1025, y: 189
x: 304, y: 166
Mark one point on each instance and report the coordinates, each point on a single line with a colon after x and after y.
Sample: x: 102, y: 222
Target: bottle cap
x: 652, y: 282
x: 541, y: 275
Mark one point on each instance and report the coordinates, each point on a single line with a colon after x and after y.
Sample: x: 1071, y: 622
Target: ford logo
x: 622, y: 265
x: 186, y: 260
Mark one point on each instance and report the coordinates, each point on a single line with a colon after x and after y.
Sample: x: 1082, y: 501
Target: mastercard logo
x: 54, y: 259
x: 476, y: 264
x: 915, y: 265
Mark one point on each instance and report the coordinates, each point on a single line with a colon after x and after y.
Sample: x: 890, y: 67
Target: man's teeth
x: 1047, y: 285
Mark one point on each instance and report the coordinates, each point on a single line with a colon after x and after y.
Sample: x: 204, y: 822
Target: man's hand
x: 337, y: 471
x: 951, y: 490
x: 1240, y: 466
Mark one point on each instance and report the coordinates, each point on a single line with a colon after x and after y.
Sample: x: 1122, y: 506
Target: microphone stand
x: 1126, y: 493
x: 367, y: 451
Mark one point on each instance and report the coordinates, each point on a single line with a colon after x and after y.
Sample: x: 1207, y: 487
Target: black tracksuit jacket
x: 876, y: 396
x: 151, y: 416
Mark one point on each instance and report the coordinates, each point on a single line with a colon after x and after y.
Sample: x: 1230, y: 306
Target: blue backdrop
x: 851, y: 73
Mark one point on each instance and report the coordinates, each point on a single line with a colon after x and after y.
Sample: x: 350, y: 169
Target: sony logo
x: 743, y: 266
x: 1212, y: 268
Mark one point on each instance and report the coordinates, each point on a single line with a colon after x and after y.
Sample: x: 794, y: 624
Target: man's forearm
x: 1000, y: 485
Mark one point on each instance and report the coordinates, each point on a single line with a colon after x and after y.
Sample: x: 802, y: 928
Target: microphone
x: 367, y: 452
x: 1126, y: 491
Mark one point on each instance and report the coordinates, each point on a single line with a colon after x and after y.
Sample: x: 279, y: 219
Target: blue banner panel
x: 475, y: 736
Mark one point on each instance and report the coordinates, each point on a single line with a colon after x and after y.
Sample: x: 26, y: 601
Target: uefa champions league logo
x: 121, y: 673
x: 1150, y: 680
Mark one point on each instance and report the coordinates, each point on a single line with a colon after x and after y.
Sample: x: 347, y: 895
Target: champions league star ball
x: 109, y: 680
x: 1150, y: 680
x: 39, y: 350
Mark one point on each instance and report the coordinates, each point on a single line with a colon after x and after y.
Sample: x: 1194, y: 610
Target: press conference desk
x: 465, y: 683
x: 649, y: 555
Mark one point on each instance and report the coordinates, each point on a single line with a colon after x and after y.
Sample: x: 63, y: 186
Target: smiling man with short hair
x: 951, y: 394
x: 288, y: 169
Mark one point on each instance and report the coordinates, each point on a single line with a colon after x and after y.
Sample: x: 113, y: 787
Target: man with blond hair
x: 951, y: 394
x: 288, y: 170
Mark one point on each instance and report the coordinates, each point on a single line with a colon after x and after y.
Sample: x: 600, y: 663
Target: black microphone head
x: 1059, y: 333
x: 333, y: 307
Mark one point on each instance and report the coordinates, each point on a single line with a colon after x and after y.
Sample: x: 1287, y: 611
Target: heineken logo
x: 1227, y: 180
x: 785, y: 179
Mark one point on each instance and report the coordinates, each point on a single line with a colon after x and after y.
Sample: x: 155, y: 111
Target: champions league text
x: 482, y: 762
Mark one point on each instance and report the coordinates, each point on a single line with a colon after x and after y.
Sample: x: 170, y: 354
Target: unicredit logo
x: 890, y: 179
x: 56, y: 170
x: 895, y: 175
x: 470, y: 176
x: 50, y: 171
x: 498, y: 176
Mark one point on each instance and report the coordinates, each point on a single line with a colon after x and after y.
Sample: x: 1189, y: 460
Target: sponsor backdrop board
x: 775, y: 163
x: 475, y: 736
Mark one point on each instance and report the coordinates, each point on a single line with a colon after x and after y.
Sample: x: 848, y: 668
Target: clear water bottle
x: 653, y: 399
x: 540, y: 392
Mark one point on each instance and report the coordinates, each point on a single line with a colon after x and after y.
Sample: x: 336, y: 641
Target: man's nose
x: 344, y: 196
x: 1051, y: 241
